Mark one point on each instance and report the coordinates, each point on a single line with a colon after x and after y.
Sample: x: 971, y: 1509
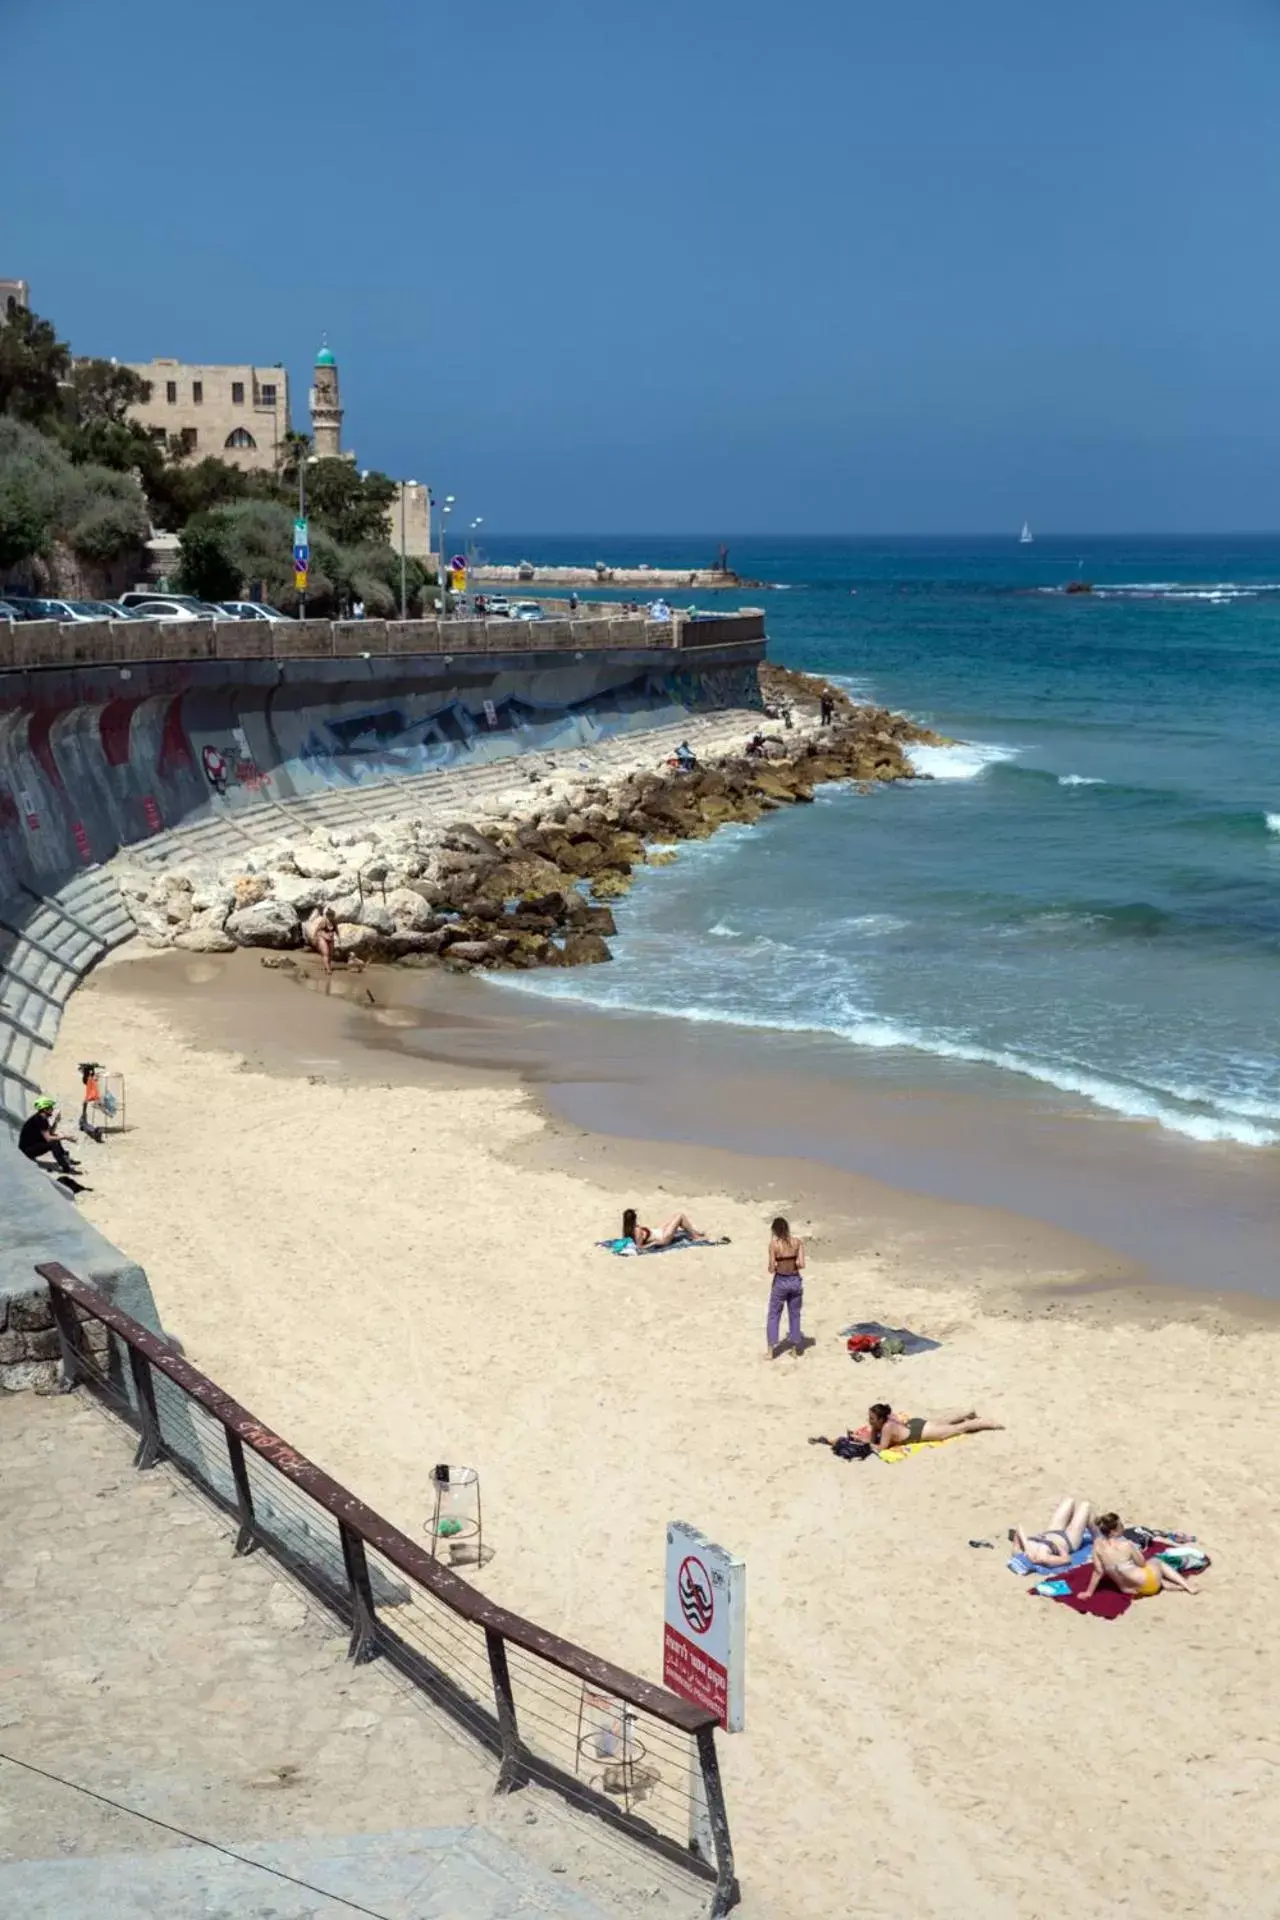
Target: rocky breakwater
x: 527, y: 882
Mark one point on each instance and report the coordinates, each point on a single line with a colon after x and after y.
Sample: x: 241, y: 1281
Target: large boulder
x: 374, y: 915
x: 584, y: 949
x: 357, y: 942
x: 249, y: 889
x: 266, y: 923
x: 317, y: 862
x: 409, y: 910
x: 303, y: 895
x: 211, y: 937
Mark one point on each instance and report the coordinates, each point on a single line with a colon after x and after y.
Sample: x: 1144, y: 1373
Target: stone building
x: 410, y: 512
x: 237, y: 414
x: 13, y: 294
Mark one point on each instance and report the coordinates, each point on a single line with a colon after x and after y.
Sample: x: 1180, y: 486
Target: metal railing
x: 620, y: 1747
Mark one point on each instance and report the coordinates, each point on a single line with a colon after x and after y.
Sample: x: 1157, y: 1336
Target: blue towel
x: 630, y: 1247
x: 1020, y: 1563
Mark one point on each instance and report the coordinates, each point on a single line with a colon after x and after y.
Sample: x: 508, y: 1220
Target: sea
x: 1080, y: 901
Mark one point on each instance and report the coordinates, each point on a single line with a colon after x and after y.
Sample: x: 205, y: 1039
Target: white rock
x: 267, y: 923
x: 302, y: 895
x: 205, y: 939
x: 317, y: 862
x: 409, y: 910
x: 377, y: 917
x: 212, y: 898
x: 354, y: 939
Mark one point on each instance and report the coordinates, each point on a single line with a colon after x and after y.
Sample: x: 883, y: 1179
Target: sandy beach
x: 392, y: 1261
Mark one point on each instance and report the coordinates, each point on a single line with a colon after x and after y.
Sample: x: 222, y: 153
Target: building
x: 13, y: 294
x: 236, y: 414
x: 411, y: 515
x: 325, y: 405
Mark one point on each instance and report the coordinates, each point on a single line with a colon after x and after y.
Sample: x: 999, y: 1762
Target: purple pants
x: 787, y: 1290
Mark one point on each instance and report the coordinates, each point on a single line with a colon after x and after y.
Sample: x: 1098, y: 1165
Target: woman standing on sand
x: 786, y: 1270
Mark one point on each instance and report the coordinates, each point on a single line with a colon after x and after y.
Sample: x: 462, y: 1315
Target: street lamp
x: 473, y: 546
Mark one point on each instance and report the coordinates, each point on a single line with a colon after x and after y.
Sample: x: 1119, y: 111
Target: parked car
x: 251, y: 610
x: 9, y: 612
x: 497, y: 606
x: 198, y: 609
x: 26, y: 608
x: 99, y: 610
x: 178, y: 609
x: 525, y: 610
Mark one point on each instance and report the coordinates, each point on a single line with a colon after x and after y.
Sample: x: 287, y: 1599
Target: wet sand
x: 387, y: 1251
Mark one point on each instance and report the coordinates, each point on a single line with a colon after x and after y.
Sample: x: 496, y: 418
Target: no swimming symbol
x: 697, y: 1598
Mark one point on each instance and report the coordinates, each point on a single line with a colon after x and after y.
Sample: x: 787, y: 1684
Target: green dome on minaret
x: 325, y: 358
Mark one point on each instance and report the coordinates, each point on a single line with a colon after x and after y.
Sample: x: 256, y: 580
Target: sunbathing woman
x: 1060, y: 1539
x: 680, y: 1226
x: 1120, y: 1561
x: 885, y: 1430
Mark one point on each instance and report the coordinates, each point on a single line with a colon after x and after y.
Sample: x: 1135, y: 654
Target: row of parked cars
x: 136, y: 606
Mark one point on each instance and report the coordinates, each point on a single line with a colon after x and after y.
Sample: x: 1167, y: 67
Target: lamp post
x: 446, y: 508
x: 473, y: 548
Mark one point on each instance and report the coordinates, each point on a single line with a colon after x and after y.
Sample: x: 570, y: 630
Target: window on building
x: 146, y: 393
x: 11, y: 304
x: 171, y: 392
x: 268, y: 396
x: 188, y: 439
x: 158, y: 433
x: 197, y: 392
x: 240, y: 438
x: 237, y: 393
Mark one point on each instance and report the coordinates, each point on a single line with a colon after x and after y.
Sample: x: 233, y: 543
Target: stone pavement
x: 139, y: 1659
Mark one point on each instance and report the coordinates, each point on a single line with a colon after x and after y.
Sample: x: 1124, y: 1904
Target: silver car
x: 251, y: 610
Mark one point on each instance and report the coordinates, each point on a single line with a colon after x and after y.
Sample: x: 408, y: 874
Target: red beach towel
x: 1108, y: 1603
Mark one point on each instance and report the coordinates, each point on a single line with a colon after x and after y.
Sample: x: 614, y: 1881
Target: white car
x: 183, y: 609
x: 251, y: 610
x: 525, y: 610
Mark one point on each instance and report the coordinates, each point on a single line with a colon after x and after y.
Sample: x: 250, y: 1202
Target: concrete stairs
x: 47, y: 945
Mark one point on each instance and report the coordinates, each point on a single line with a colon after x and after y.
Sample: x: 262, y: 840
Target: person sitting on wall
x: 40, y: 1139
x: 684, y: 758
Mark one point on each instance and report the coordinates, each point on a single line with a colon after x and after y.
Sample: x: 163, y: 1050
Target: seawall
x: 118, y: 734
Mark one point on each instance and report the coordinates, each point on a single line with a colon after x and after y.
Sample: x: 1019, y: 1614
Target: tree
x: 102, y: 514
x: 33, y: 475
x: 353, y: 507
x: 33, y: 363
x: 208, y: 565
x: 103, y: 390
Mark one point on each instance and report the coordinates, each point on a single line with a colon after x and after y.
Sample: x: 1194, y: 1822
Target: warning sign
x: 704, y: 1624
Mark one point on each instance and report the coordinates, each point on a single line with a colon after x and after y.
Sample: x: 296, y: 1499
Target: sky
x: 696, y: 266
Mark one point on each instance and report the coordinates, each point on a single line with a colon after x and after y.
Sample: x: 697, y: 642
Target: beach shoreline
x: 390, y: 1258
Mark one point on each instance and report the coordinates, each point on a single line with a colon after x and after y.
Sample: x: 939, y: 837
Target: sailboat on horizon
x: 1026, y: 537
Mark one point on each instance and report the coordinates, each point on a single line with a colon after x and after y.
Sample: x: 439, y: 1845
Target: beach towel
x: 1108, y: 1603
x: 892, y: 1455
x: 1020, y: 1563
x: 910, y: 1342
x: 629, y: 1247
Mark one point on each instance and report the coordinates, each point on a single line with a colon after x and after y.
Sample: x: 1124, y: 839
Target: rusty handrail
x: 395, y: 1546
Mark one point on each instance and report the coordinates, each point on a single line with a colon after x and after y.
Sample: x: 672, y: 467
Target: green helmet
x: 44, y: 1104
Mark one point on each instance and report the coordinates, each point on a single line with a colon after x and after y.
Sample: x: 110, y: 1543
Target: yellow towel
x: 892, y: 1455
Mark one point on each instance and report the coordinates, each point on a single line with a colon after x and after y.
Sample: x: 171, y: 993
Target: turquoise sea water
x: 1085, y: 897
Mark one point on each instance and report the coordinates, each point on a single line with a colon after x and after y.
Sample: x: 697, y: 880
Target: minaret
x: 326, y: 409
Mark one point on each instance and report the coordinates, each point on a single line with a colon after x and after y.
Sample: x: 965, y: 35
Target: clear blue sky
x: 692, y: 265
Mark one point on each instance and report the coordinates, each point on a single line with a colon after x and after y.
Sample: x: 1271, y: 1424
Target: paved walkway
x: 139, y: 1659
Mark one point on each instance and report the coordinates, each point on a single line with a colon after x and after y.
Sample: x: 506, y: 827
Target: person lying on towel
x: 679, y: 1227
x: 885, y: 1429
x: 1060, y: 1541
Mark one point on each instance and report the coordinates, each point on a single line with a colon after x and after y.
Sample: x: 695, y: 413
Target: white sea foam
x: 962, y: 762
x: 1232, y: 1120
x: 1080, y: 780
x: 874, y: 923
x: 1273, y: 822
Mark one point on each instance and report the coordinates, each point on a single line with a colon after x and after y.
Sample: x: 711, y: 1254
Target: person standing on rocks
x: 322, y: 931
x: 786, y: 1269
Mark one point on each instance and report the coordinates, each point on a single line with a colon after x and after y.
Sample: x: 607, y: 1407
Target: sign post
x: 458, y: 573
x: 301, y: 556
x: 704, y: 1625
